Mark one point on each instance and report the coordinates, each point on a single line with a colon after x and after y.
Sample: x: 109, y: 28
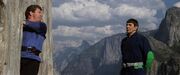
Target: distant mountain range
x: 63, y: 58
x: 104, y: 57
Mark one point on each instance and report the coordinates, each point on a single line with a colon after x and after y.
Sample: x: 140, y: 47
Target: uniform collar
x: 132, y: 35
x: 31, y: 22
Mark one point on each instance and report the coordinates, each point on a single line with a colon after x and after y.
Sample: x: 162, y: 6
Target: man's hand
x: 149, y: 60
x: 23, y: 23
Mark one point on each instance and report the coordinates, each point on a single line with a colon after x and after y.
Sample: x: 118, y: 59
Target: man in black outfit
x: 137, y: 55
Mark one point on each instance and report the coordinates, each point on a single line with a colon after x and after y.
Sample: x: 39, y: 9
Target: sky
x: 92, y: 20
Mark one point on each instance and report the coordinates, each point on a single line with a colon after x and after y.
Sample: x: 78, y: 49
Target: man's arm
x: 43, y: 29
x: 149, y: 55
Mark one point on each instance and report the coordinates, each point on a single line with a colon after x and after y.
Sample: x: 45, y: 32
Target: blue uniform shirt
x: 135, y: 48
x: 33, y: 39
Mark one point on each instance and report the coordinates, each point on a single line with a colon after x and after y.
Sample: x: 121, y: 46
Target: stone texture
x: 62, y: 58
x: 103, y: 58
x: 168, y: 31
x: 11, y: 18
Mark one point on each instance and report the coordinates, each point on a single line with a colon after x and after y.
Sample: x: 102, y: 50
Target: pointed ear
x: 136, y: 28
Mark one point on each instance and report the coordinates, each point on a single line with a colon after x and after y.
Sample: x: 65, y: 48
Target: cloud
x: 104, y: 12
x: 146, y: 16
x: 59, y: 45
x: 153, y: 4
x: 72, y: 36
x: 88, y: 32
x: 81, y: 11
x: 177, y: 4
x: 133, y: 11
x: 95, y: 19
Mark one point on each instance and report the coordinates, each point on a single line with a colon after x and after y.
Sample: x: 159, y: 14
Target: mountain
x: 99, y: 59
x: 168, y: 31
x: 84, y: 45
x: 62, y: 58
x: 104, y: 57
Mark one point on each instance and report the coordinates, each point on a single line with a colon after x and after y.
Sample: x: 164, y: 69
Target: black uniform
x: 134, y: 49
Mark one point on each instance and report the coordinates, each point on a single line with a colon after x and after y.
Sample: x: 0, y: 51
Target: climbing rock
x: 11, y: 18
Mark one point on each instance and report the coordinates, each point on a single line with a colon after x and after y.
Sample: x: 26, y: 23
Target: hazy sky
x: 92, y: 20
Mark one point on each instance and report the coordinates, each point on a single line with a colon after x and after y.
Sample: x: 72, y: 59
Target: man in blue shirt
x: 33, y: 38
x: 137, y: 55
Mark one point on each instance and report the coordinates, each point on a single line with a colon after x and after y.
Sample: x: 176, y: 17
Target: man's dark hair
x: 31, y: 8
x: 134, y: 21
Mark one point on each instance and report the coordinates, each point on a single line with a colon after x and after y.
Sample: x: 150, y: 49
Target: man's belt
x: 135, y: 65
x: 32, y: 49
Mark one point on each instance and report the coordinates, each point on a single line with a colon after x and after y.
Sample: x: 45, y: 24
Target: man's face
x: 36, y: 15
x: 130, y: 27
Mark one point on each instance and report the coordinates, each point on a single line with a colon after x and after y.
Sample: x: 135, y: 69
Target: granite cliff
x: 11, y: 18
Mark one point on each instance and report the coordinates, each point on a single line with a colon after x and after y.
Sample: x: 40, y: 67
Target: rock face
x: 168, y: 34
x: 169, y: 28
x: 63, y: 58
x: 11, y: 18
x: 104, y: 57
